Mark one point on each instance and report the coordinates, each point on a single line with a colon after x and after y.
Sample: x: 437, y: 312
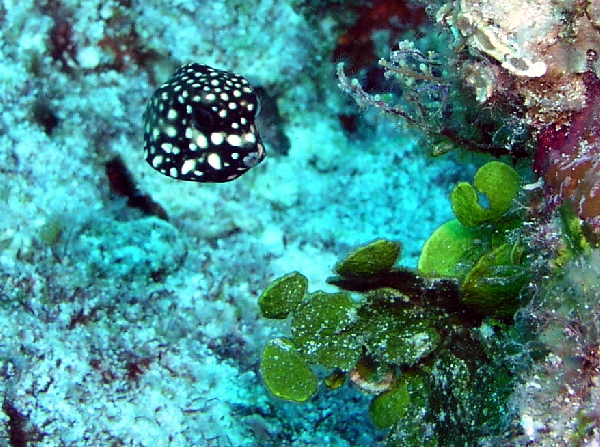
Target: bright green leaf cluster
x: 498, y: 182
x: 475, y: 248
x: 333, y: 330
x: 407, y: 341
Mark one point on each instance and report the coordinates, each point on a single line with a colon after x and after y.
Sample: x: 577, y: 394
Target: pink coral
x: 568, y: 158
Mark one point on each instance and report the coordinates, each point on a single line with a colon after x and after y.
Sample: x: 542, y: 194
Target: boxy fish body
x: 199, y: 126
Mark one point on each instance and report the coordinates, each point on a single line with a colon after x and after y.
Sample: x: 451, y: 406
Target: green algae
x: 475, y: 247
x: 402, y: 337
x: 419, y: 353
x: 279, y: 364
x: 493, y: 285
x: 389, y: 406
x: 319, y: 329
x: 283, y: 295
x: 451, y: 246
x: 498, y: 182
x: 370, y: 259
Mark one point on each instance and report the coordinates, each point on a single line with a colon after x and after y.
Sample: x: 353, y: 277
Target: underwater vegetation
x: 414, y: 348
x: 415, y: 338
x: 490, y: 333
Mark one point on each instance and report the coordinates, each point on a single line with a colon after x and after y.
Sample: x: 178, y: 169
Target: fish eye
x: 202, y: 119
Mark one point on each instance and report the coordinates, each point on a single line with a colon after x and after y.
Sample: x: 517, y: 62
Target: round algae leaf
x: 323, y: 314
x: 388, y: 407
x: 283, y: 295
x: 449, y: 246
x: 321, y: 328
x: 498, y: 182
x: 377, y: 257
x: 285, y: 372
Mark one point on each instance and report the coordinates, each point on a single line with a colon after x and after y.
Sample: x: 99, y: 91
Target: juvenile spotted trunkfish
x: 199, y: 126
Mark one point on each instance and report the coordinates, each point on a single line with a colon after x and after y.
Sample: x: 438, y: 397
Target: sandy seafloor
x: 121, y: 329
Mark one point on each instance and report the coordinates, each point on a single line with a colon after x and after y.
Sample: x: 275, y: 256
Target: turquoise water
x: 128, y: 312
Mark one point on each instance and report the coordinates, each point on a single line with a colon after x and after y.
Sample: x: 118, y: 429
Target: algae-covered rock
x: 286, y: 373
x: 492, y: 388
x: 283, y: 295
x: 319, y: 328
x: 498, y: 182
x: 450, y: 383
x: 468, y: 399
x: 414, y: 427
x: 388, y: 407
x: 451, y: 246
x: 371, y: 259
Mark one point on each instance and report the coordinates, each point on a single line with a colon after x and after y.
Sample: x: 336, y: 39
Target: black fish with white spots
x: 199, y: 126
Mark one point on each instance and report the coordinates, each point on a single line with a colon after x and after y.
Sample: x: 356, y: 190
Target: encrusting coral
x: 568, y: 158
x: 534, y: 49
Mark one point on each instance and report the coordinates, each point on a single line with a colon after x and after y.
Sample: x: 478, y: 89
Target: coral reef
x: 538, y: 51
x: 537, y: 79
x: 550, y: 67
x: 557, y: 402
x: 434, y: 99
